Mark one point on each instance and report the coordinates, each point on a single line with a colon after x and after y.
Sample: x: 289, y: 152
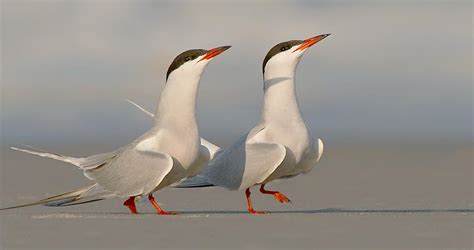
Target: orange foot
x: 253, y: 211
x: 277, y: 195
x: 159, y: 210
x: 163, y: 212
x: 281, y: 197
x: 130, y: 203
x: 249, y: 204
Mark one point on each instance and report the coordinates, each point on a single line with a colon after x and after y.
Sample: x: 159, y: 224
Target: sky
x: 391, y: 72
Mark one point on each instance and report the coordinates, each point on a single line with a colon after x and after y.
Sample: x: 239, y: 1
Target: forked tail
x: 83, y: 195
x: 83, y: 163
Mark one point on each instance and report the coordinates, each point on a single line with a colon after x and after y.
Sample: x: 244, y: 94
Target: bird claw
x: 281, y: 198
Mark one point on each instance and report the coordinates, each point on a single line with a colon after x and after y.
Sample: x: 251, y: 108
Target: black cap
x: 188, y: 55
x: 284, y: 46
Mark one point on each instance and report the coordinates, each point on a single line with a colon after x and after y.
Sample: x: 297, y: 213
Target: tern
x: 165, y: 154
x: 280, y: 145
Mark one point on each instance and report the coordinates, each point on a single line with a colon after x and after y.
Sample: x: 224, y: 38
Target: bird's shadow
x: 338, y: 210
x: 307, y: 211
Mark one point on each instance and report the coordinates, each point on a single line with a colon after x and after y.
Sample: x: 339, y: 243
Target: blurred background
x: 391, y: 72
x: 390, y: 92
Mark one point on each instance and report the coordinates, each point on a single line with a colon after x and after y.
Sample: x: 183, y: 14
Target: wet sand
x: 360, y: 196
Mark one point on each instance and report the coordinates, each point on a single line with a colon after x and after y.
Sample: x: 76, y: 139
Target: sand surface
x: 360, y: 196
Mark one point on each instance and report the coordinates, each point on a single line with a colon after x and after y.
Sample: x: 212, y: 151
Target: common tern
x: 165, y: 154
x: 280, y: 145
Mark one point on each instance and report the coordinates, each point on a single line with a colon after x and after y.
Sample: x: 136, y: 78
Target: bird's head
x: 192, y: 62
x: 286, y: 55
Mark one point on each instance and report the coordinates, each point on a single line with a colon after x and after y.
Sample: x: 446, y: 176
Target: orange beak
x: 311, y: 41
x: 214, y: 52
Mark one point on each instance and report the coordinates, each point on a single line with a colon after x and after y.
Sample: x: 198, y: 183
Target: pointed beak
x: 214, y: 52
x: 311, y: 41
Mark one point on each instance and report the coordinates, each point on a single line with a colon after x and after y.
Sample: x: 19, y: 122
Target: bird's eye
x: 187, y: 58
x: 283, y: 48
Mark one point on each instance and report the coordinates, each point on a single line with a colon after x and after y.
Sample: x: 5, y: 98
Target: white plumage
x: 280, y: 145
x: 167, y: 153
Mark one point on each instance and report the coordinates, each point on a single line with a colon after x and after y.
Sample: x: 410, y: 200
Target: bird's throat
x: 177, y: 108
x: 280, y: 103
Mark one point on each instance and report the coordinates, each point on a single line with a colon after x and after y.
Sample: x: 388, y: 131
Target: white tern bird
x: 165, y: 154
x: 280, y: 145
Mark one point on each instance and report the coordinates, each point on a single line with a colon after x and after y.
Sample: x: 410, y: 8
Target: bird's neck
x: 177, y: 108
x: 280, y: 105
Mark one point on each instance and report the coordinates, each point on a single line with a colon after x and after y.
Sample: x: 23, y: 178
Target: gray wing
x: 132, y: 172
x: 99, y: 159
x: 244, y: 164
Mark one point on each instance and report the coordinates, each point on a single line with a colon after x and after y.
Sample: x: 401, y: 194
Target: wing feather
x: 244, y: 164
x: 133, y: 172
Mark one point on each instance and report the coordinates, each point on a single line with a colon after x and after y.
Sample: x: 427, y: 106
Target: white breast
x: 296, y: 142
x: 183, y: 149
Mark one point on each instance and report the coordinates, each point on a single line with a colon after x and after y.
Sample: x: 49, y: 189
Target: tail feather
x: 194, y: 182
x: 42, y: 153
x: 141, y: 108
x: 82, y: 202
x: 83, y: 163
x: 90, y: 193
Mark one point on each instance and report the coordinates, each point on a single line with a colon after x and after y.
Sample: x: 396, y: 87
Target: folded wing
x: 244, y: 164
x: 132, y: 172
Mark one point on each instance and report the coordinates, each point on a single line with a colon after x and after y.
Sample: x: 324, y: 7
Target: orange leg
x: 249, y: 203
x: 130, y: 203
x: 159, y: 210
x: 277, y: 195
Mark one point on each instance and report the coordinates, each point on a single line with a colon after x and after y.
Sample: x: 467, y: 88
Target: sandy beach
x: 360, y: 196
x: 390, y: 92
